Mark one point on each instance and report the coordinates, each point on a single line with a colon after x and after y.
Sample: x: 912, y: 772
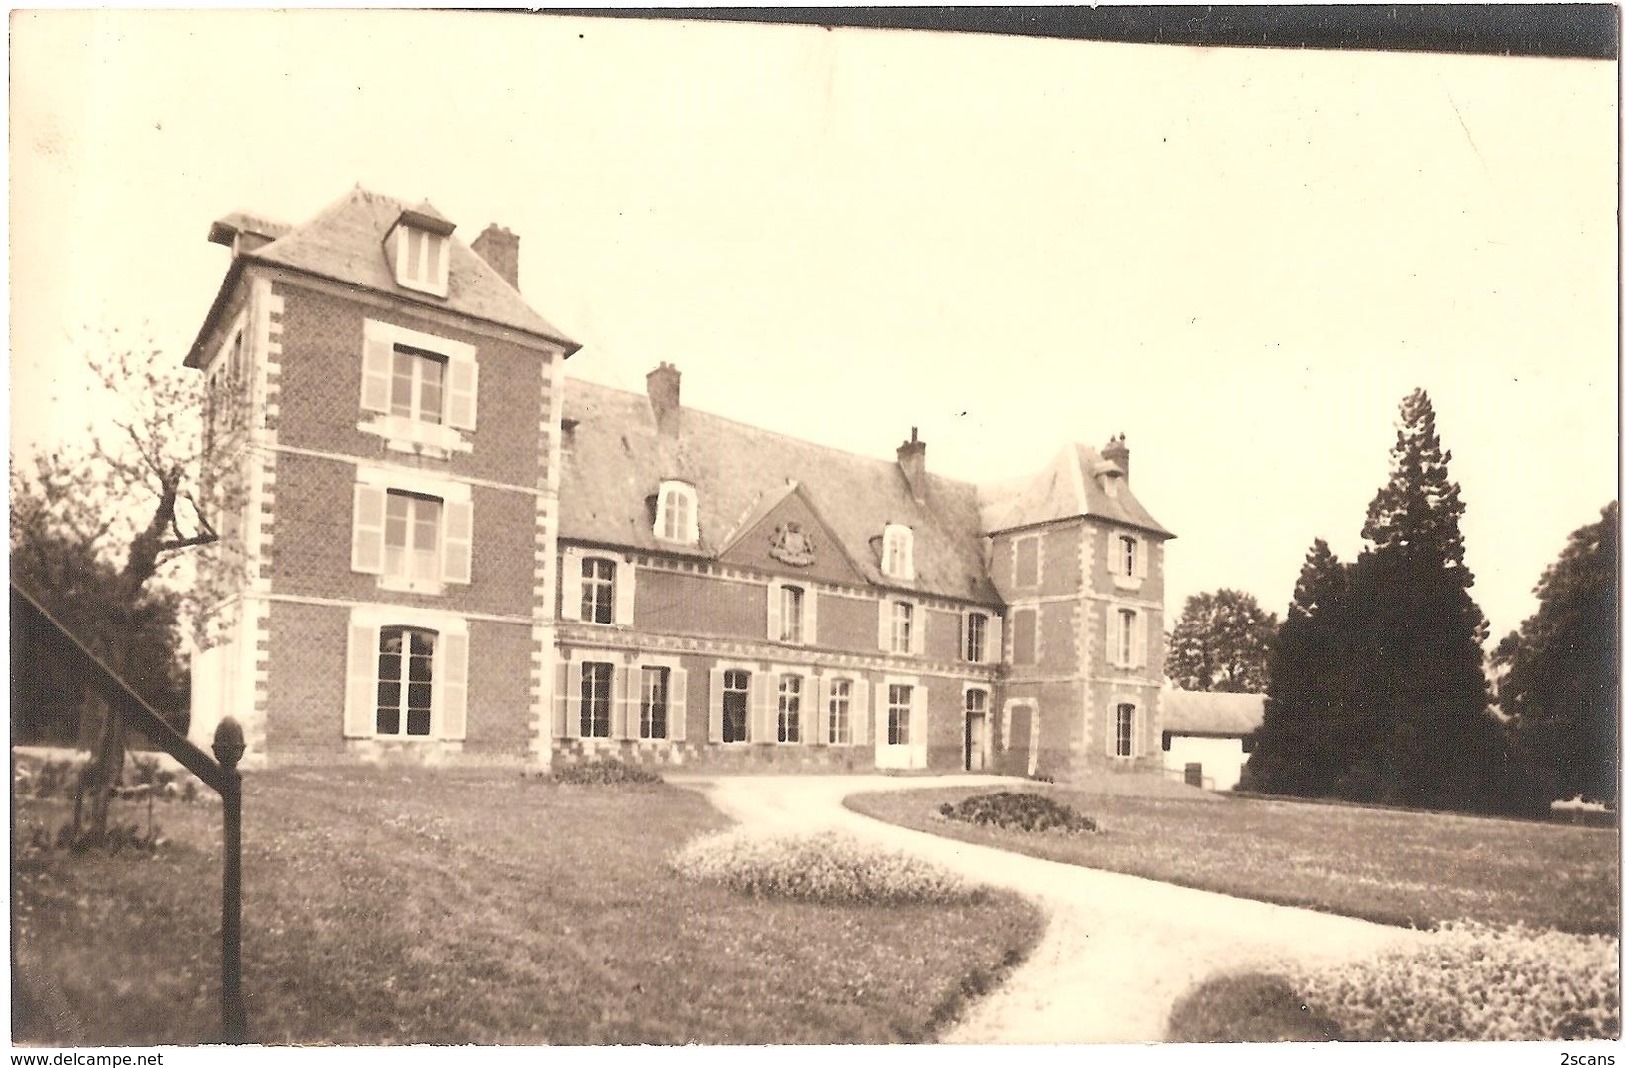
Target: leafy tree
x: 107, y: 523
x: 1221, y: 642
x: 1415, y: 639
x: 1299, y: 748
x: 1561, y: 687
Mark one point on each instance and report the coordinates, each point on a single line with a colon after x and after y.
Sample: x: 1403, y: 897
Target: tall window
x: 897, y: 551
x: 899, y: 706
x: 1026, y: 564
x: 1125, y: 730
x: 1126, y: 547
x: 597, y: 590
x: 652, y: 713
x: 421, y: 260
x: 902, y: 627
x: 405, y: 681
x: 976, y: 637
x: 791, y: 599
x: 840, y: 712
x: 735, y: 706
x: 417, y: 385
x: 976, y: 701
x: 675, y: 518
x: 790, y: 708
x: 597, y: 681
x: 412, y: 537
x: 1125, y: 636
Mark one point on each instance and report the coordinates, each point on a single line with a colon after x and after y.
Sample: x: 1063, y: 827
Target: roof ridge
x: 764, y: 430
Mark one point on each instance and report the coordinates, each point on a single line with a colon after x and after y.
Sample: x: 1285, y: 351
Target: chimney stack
x: 911, y: 458
x: 1116, y: 451
x: 665, y: 392
x: 499, y: 247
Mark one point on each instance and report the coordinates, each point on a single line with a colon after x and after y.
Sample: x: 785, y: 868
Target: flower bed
x: 608, y: 772
x: 827, y: 867
x: 1019, y: 812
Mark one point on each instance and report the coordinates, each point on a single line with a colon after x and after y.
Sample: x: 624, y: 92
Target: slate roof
x: 345, y: 243
x: 1224, y: 715
x: 616, y: 459
x: 1069, y: 485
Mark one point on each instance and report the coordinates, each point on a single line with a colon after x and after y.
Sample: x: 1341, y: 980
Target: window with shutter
x: 418, y: 391
x: 735, y: 706
x: 789, y: 709
x: 654, y: 708
x: 597, y: 696
x: 1125, y: 730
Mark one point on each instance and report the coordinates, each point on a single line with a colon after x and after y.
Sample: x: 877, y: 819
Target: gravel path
x: 1118, y: 950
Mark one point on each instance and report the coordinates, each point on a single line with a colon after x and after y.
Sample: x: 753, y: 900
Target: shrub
x: 1473, y: 982
x: 1019, y: 812
x: 608, y: 772
x: 827, y: 867
x: 1248, y: 1007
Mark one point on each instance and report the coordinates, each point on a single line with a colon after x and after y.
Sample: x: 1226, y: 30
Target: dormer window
x: 419, y: 245
x: 676, y: 514
x: 897, y: 552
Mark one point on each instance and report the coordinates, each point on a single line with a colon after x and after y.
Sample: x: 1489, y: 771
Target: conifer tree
x: 1416, y: 656
x: 1298, y: 748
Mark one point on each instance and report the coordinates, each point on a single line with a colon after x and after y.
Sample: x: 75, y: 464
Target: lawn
x: 1405, y: 868
x: 404, y: 905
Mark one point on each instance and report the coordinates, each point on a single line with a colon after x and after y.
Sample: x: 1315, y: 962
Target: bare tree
x: 141, y: 494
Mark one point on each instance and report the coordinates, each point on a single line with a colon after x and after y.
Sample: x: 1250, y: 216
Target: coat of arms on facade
x: 792, y: 545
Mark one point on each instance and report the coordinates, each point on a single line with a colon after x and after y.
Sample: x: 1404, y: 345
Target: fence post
x: 228, y: 749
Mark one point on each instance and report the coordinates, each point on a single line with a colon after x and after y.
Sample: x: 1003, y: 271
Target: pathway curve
x: 1118, y: 949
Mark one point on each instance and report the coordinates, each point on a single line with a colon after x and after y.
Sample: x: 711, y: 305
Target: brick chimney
x: 499, y: 247
x: 1116, y: 451
x: 665, y: 391
x: 911, y: 458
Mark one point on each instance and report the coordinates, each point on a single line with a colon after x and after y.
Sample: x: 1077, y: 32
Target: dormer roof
x: 1071, y: 485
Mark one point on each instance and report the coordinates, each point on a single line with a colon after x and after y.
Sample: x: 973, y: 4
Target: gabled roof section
x: 1213, y: 715
x: 810, y: 548
x: 345, y: 243
x: 1070, y: 485
x: 616, y: 458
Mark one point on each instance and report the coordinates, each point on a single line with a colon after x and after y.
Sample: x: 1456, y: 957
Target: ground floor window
x: 840, y: 711
x: 1125, y: 730
x: 655, y: 701
x: 597, y: 683
x: 899, y: 706
x: 790, y: 708
x: 735, y: 705
x: 405, y: 681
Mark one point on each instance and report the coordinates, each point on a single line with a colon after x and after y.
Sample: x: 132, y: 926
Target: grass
x: 1404, y: 868
x: 401, y: 905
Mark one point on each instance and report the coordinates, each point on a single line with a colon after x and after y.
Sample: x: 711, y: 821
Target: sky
x: 1242, y: 259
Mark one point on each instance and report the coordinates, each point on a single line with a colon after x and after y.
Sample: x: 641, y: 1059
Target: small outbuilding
x: 1207, y: 737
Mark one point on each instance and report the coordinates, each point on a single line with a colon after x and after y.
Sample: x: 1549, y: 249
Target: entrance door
x: 976, y: 730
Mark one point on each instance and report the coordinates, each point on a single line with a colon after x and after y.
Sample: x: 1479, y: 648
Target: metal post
x: 228, y: 749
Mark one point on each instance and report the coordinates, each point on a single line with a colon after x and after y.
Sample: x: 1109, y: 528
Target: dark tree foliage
x: 1221, y: 643
x: 1561, y: 687
x: 1299, y: 748
x: 82, y: 591
x: 1377, y: 688
x: 1417, y: 637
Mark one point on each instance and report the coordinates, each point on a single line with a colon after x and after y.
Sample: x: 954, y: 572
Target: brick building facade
x: 447, y: 552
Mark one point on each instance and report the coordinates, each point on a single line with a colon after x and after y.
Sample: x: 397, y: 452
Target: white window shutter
x: 716, y: 704
x: 809, y: 616
x: 816, y: 728
x: 918, y: 714
x: 570, y: 573
x: 451, y: 678
x: 462, y: 389
x: 993, y: 643
x: 677, y: 705
x: 764, y: 698
x: 1140, y: 639
x: 457, y: 561
x: 775, y: 591
x: 859, y: 712
x: 367, y: 530
x: 361, y: 682
x: 1114, y: 639
x: 377, y: 364
x: 885, y: 625
x: 624, y: 712
x: 561, y: 684
x: 626, y: 590
x: 916, y: 630
x: 1114, y: 553
x: 572, y: 700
